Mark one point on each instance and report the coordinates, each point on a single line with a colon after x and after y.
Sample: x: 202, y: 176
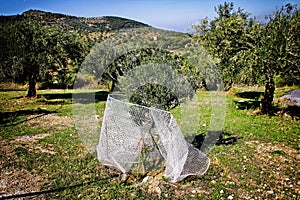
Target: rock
x: 124, y: 177
x: 270, y: 192
x: 158, y: 190
x: 145, y: 179
x: 292, y: 98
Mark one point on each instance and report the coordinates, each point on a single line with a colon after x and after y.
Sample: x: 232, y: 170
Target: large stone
x: 292, y: 98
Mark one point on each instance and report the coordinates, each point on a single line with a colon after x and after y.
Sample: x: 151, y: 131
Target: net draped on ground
x: 138, y: 139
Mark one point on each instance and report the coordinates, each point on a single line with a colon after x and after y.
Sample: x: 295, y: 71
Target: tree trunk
x: 229, y: 86
x: 32, y: 89
x: 113, y: 85
x: 204, y: 85
x: 266, y: 103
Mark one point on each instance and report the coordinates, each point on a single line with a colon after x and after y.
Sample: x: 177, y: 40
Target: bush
x: 154, y: 95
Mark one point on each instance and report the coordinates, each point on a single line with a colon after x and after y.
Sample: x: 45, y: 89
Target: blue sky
x: 167, y: 14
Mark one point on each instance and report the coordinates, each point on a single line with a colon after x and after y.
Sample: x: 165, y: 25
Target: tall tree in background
x: 250, y: 52
x: 278, y: 51
x: 38, y: 46
x: 67, y: 52
x: 32, y: 51
x: 224, y: 38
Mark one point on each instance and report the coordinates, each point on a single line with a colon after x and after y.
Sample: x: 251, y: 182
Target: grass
x: 43, y: 152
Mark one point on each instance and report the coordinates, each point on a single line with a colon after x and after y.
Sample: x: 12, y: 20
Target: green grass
x: 262, y: 162
x: 260, y: 127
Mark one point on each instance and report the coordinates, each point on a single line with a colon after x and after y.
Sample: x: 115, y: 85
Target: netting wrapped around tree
x: 138, y: 139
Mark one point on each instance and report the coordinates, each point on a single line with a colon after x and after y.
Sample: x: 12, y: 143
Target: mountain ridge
x: 91, y: 24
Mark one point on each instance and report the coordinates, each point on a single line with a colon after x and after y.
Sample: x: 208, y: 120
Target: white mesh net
x: 140, y: 139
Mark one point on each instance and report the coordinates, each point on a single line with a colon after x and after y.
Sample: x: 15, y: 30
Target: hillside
x: 95, y: 24
x: 56, y: 44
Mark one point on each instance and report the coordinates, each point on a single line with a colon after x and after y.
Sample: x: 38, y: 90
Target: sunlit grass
x: 62, y: 160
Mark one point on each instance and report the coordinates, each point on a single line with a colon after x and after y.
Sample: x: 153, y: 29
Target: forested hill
x: 48, y: 47
x: 106, y: 23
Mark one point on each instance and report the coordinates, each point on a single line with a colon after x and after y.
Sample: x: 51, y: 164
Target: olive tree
x: 224, y: 37
x: 279, y: 51
x: 36, y: 46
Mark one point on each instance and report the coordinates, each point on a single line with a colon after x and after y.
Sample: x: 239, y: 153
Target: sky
x: 166, y: 14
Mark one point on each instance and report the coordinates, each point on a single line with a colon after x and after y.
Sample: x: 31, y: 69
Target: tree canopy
x: 247, y: 51
x: 36, y: 51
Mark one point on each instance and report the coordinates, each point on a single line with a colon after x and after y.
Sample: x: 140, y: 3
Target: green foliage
x: 37, y: 51
x: 282, y: 44
x: 249, y: 52
x: 225, y: 37
x: 81, y: 24
x: 173, y: 71
x: 154, y: 95
x: 278, y: 51
x: 70, y: 51
x: 48, y: 47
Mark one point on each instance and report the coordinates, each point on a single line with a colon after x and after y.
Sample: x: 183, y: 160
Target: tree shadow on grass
x: 54, y: 102
x: 85, y: 97
x: 250, y: 95
x: 251, y: 100
x: 11, y: 89
x: 65, y: 98
x: 13, y: 118
x: 247, y: 104
x: 225, y: 139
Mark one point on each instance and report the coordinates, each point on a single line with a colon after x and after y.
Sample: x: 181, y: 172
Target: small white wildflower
x: 230, y: 197
x: 270, y: 192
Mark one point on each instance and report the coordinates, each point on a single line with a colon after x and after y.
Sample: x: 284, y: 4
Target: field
x: 42, y: 156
